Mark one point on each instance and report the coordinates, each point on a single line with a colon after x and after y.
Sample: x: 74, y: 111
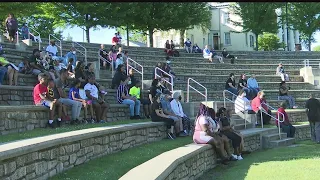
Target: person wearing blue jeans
x: 3, y: 71
x: 243, y: 85
x: 123, y: 97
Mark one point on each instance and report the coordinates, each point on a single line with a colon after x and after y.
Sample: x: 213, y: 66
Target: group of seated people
x: 251, y: 88
x: 216, y: 129
x: 212, y: 55
x: 169, y: 49
x: 112, y: 57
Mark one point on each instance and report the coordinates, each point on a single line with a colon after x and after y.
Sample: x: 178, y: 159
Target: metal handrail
x: 134, y: 68
x: 189, y: 86
x: 60, y: 46
x: 17, y: 43
x: 106, y: 60
x: 33, y: 30
x: 279, y: 130
x: 85, y: 51
x: 224, y: 104
x: 306, y: 63
x: 171, y: 77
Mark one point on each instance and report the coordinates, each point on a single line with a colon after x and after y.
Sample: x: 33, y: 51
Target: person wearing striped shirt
x: 123, y: 97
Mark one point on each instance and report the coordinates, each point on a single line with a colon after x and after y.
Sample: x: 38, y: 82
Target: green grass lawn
x: 64, y: 128
x: 299, y: 162
x: 113, y: 166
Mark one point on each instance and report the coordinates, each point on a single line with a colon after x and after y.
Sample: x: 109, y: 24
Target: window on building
x: 251, y: 41
x: 225, y: 18
x: 227, y: 38
x: 246, y: 37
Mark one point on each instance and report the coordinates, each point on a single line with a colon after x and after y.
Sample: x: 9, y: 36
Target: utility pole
x: 127, y: 35
x: 287, y: 26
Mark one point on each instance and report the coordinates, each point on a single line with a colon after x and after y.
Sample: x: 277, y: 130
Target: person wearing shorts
x: 40, y: 98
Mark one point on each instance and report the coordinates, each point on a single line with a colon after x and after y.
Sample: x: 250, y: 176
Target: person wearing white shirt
x: 243, y: 108
x: 253, y: 85
x: 99, y: 106
x: 280, y: 72
x: 177, y: 109
x: 52, y: 48
x: 119, y: 60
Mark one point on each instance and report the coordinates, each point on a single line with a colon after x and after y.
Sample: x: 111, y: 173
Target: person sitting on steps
x: 280, y: 72
x: 225, y: 54
x: 283, y: 95
x: 243, y: 109
x: 285, y: 124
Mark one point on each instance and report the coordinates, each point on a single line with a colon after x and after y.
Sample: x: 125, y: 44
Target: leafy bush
x: 269, y: 42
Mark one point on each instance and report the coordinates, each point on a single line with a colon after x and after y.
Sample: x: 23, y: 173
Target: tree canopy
x: 304, y: 17
x: 256, y: 17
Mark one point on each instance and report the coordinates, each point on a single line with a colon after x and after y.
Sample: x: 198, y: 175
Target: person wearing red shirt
x: 258, y: 104
x: 285, y: 124
x: 40, y: 98
x: 115, y: 39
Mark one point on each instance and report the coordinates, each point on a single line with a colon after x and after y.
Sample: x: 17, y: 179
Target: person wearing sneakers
x: 178, y: 110
x: 98, y: 104
x: 283, y: 95
x: 157, y: 115
x: 62, y: 110
x: 40, y: 98
x: 75, y: 95
x: 60, y: 94
x: 280, y: 72
x: 228, y: 131
x: 123, y: 97
x: 167, y: 110
x: 205, y: 133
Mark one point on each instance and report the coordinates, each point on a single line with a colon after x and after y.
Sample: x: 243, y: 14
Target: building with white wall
x: 222, y: 33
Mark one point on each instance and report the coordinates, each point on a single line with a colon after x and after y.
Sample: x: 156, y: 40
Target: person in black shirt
x: 157, y: 115
x: 231, y: 84
x: 225, y: 54
x: 133, y: 80
x: 79, y: 73
x: 104, y: 57
x: 228, y: 131
x: 156, y: 88
x: 119, y: 76
x: 283, y: 95
x: 313, y: 112
x: 243, y: 85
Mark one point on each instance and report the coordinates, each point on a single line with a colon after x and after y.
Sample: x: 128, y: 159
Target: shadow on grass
x: 239, y: 170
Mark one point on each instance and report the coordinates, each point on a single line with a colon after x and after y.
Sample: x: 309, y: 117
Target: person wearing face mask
x: 243, y: 109
x: 132, y: 79
x: 71, y: 54
x: 259, y: 106
x: 177, y: 109
x: 123, y: 97
x: 156, y: 88
x: 118, y: 61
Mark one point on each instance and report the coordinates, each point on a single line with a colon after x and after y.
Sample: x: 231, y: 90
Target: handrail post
x: 224, y: 98
x: 188, y: 87
x: 141, y: 78
x: 17, y: 43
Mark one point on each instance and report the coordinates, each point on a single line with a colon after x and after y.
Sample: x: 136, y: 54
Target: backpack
x: 12, y: 24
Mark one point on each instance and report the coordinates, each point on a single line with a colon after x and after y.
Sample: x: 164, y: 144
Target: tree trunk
x: 309, y: 43
x: 87, y: 29
x: 257, y: 42
x: 182, y: 32
x: 150, y: 34
x: 128, y: 35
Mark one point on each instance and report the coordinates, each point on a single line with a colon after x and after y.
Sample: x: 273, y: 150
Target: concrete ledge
x: 46, y: 156
x: 191, y: 161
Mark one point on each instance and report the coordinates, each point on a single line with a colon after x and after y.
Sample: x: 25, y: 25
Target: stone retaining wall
x: 14, y: 119
x: 302, y: 132
x: 44, y: 157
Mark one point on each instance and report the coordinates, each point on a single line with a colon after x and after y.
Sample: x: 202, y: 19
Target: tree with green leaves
x: 317, y: 48
x: 304, y: 17
x: 257, y: 17
x: 269, y: 42
x: 134, y: 34
x: 158, y: 16
x: 84, y: 15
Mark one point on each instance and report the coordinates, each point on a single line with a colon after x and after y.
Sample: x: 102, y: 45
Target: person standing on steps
x: 313, y: 113
x: 11, y: 26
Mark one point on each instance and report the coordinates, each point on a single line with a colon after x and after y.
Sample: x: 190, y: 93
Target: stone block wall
x: 45, y: 160
x: 302, y: 132
x: 14, y: 119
